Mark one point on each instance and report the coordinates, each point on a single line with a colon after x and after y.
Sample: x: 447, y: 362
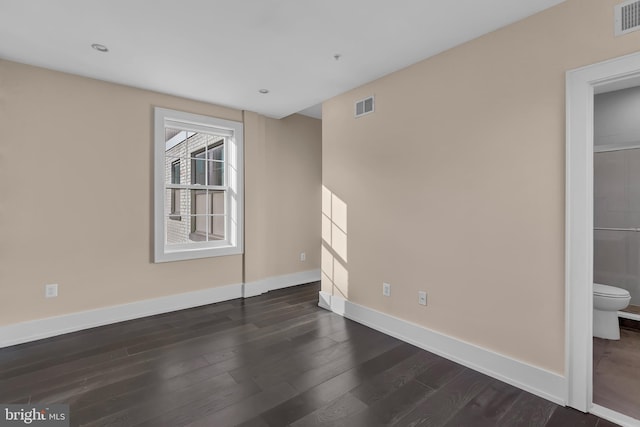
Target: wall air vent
x: 627, y: 17
x: 365, y: 106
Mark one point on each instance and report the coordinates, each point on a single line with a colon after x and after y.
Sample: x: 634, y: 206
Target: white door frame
x: 581, y: 85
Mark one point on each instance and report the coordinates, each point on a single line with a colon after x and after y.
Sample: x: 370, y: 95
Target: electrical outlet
x: 386, y: 289
x: 51, y: 290
x: 422, y: 298
x: 303, y: 256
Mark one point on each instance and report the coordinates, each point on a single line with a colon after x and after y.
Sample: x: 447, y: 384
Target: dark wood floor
x: 272, y: 360
x: 616, y: 373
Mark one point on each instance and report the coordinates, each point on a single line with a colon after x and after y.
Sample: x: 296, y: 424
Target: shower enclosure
x: 616, y: 251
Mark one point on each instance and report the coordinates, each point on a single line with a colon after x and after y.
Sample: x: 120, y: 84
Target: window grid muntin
x: 195, y: 160
x: 175, y: 193
x: 220, y: 139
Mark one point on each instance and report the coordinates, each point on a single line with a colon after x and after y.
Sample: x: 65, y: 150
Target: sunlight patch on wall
x: 335, y: 276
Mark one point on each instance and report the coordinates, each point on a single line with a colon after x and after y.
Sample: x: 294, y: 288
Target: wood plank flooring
x: 272, y: 360
x: 616, y: 373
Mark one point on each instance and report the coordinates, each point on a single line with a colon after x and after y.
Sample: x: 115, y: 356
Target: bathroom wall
x: 617, y: 190
x: 616, y: 118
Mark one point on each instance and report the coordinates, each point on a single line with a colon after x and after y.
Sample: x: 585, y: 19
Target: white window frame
x: 234, y: 183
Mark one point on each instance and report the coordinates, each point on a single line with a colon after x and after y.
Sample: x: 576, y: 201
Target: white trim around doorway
x: 581, y: 85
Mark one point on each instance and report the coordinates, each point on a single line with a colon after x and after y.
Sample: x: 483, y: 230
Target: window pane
x: 175, y: 203
x: 207, y: 202
x: 176, y: 142
x: 207, y: 160
x: 217, y: 221
x: 216, y: 152
x: 203, y: 143
x: 206, y: 228
x: 217, y: 231
x: 176, y: 225
x: 173, y: 168
x: 175, y: 172
x: 177, y: 231
x: 215, y: 173
x: 198, y: 170
x: 169, y: 167
x: 217, y: 202
x: 207, y: 215
x: 194, y: 215
x: 196, y: 143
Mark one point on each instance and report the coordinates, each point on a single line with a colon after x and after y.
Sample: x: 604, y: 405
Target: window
x: 212, y: 156
x: 207, y: 167
x: 175, y: 192
x: 198, y: 186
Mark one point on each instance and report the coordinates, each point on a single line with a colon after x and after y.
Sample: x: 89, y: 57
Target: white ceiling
x: 224, y: 51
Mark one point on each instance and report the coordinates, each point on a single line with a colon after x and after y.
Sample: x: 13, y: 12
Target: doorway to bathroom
x: 616, y: 249
x: 613, y: 397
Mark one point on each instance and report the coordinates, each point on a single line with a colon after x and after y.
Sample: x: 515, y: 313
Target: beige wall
x: 455, y: 185
x: 289, y: 153
x: 76, y: 189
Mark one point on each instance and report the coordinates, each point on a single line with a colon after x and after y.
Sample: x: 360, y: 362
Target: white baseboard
x: 630, y: 316
x: 324, y: 300
x: 543, y: 383
x: 252, y: 289
x: 19, y: 333
x: 614, y: 417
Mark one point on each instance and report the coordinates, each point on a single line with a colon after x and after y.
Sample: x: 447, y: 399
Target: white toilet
x: 607, y: 300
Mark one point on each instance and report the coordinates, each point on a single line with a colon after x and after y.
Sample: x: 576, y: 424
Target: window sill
x: 187, y: 254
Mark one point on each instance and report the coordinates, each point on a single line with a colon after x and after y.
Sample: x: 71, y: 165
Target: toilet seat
x: 609, y: 291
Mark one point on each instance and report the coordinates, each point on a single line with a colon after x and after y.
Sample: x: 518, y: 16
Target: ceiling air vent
x: 627, y: 16
x: 365, y: 106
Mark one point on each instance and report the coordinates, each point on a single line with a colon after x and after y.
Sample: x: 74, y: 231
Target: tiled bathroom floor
x: 616, y: 373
